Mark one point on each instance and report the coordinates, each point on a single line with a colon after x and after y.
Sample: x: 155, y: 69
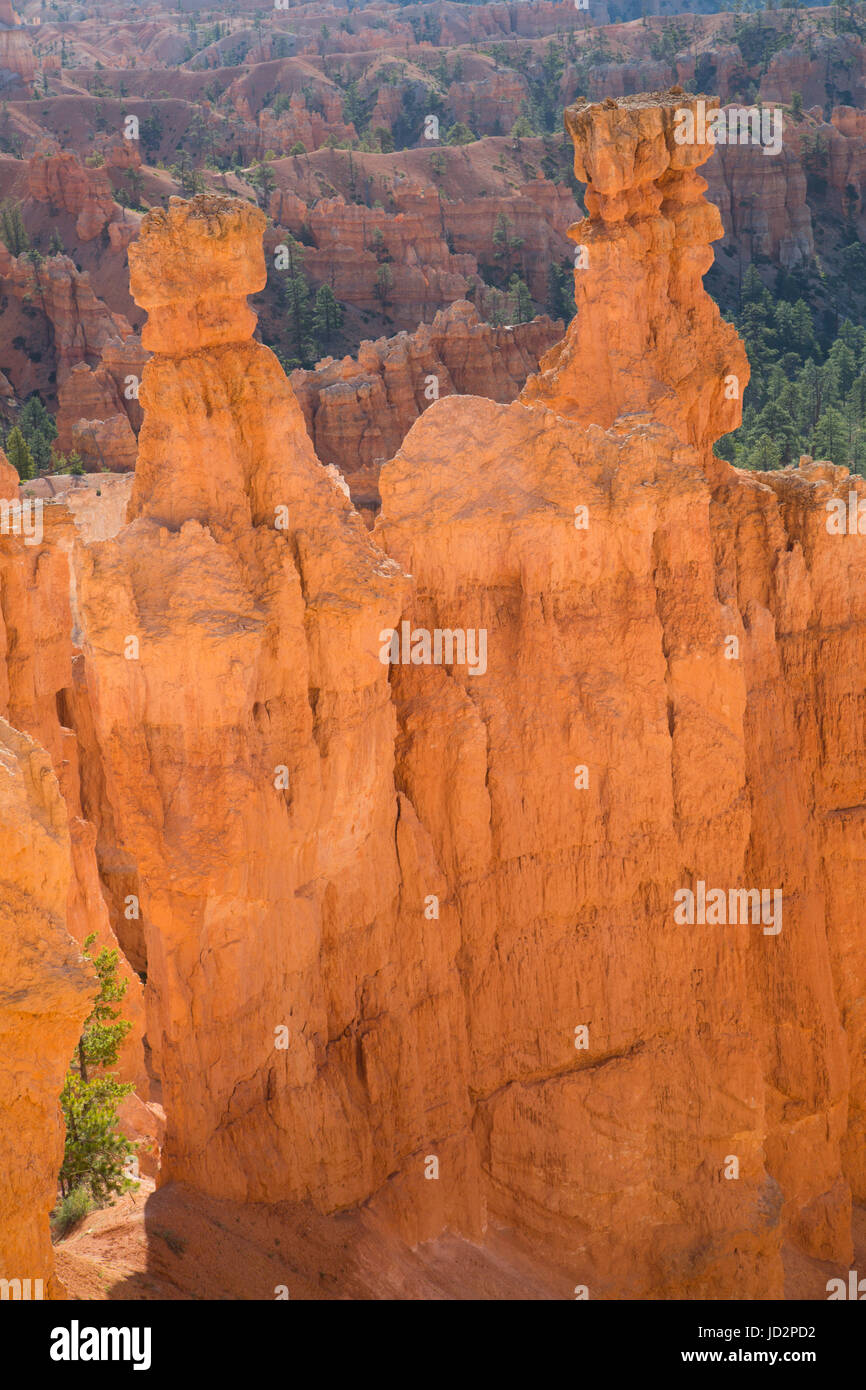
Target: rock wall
x: 45, y: 994
x: 358, y: 410
x: 16, y: 55
x: 51, y: 893
x: 423, y: 915
x: 653, y: 714
x: 762, y: 200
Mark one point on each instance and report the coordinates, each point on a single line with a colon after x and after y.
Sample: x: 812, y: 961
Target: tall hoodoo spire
x: 647, y: 336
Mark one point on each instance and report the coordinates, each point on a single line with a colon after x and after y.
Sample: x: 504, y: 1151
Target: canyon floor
x: 177, y: 1244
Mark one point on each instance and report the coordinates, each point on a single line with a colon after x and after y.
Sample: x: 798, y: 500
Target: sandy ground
x: 177, y: 1244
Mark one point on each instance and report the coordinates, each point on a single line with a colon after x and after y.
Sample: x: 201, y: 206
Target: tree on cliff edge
x: 19, y: 455
x: 13, y: 233
x: 95, y: 1151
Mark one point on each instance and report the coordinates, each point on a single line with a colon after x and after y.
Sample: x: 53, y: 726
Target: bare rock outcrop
x: 645, y: 246
x: 60, y: 180
x: 652, y: 719
x: 230, y: 641
x: 763, y: 204
x: 359, y: 409
x: 438, y: 914
x: 46, y: 991
x: 16, y: 55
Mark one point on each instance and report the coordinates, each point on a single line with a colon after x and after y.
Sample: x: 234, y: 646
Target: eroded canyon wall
x: 654, y: 713
x: 428, y: 912
x: 52, y: 893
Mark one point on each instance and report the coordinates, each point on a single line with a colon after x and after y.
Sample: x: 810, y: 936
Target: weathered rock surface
x: 608, y: 650
x: 359, y: 409
x: 762, y: 200
x: 256, y: 685
x: 16, y: 55
x: 46, y: 989
x: 82, y: 323
x: 432, y: 878
x: 37, y: 690
x: 67, y: 186
x: 59, y: 898
x: 98, y: 412
x: 644, y: 248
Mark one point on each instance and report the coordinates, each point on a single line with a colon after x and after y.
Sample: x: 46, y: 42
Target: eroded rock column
x: 247, y: 733
x: 646, y: 336
x: 637, y: 731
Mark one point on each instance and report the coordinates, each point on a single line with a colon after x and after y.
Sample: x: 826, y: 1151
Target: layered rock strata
x: 46, y: 991
x: 641, y: 255
x: 52, y: 893
x: 246, y: 738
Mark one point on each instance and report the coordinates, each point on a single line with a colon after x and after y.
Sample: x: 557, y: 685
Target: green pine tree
x: 19, y: 455
x: 95, y: 1150
x: 831, y: 437
x: 13, y: 233
x: 299, y: 319
x: 39, y: 430
x: 327, y: 314
x: 521, y: 299
x: 766, y: 455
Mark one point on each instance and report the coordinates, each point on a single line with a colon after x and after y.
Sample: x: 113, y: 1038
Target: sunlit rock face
x: 397, y: 909
x: 647, y: 336
x: 45, y: 994
x: 248, y: 756
x: 656, y: 715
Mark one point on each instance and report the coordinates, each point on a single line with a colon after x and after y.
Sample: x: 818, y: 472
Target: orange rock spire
x: 647, y: 336
x: 192, y: 269
x: 246, y: 731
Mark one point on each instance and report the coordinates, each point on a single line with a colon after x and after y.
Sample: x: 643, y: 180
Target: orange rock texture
x: 51, y: 891
x: 45, y: 995
x: 246, y: 736
x: 16, y: 55
x: 64, y: 183
x: 654, y: 713
x: 641, y: 256
x: 410, y: 926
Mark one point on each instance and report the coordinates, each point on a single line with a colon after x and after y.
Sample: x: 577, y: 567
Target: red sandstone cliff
x: 52, y: 890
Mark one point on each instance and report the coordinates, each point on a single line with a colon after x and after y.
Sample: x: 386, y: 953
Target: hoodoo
x: 646, y: 336
x: 246, y: 734
x: 410, y: 929
x: 654, y: 712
